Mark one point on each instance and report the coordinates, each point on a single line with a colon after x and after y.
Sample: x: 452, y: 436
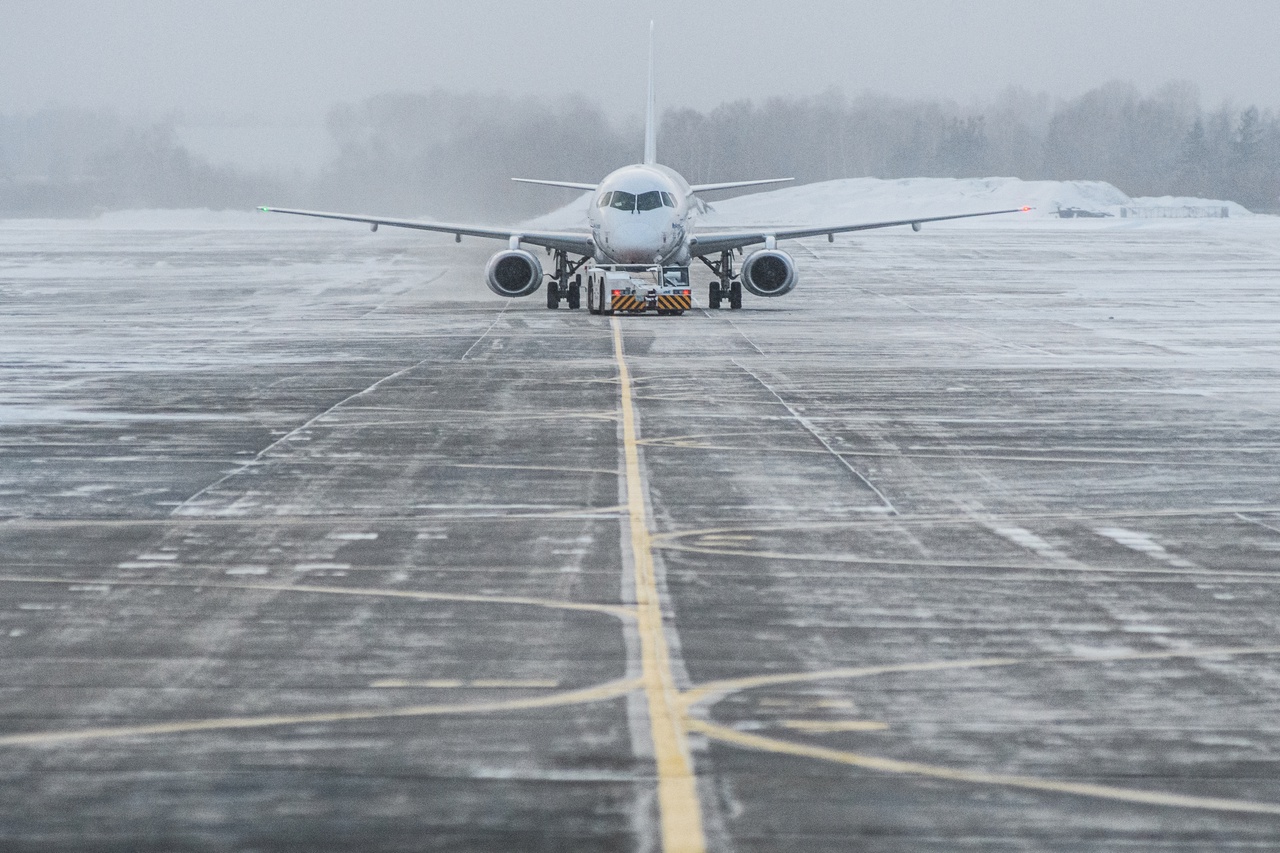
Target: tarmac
x: 311, y: 544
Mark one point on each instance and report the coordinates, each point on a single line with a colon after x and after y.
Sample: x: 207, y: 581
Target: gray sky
x: 261, y: 59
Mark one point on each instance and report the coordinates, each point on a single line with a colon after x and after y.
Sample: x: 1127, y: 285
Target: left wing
x: 730, y: 185
x: 710, y: 242
x: 573, y: 185
x: 577, y: 242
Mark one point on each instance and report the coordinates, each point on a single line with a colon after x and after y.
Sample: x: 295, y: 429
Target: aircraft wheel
x: 553, y: 295
x: 735, y: 295
x: 713, y: 295
x: 575, y: 294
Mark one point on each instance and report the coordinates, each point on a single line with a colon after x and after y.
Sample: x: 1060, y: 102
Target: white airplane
x: 641, y: 217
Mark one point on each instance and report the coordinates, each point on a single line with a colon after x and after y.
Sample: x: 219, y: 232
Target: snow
x: 846, y: 201
x: 853, y: 200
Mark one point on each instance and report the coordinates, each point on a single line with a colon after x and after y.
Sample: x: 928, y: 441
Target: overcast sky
x: 293, y: 59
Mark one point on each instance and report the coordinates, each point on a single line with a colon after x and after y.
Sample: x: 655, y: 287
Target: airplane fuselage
x: 641, y: 215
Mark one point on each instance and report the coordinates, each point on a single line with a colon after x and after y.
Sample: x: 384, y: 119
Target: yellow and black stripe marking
x: 626, y: 302
x: 671, y: 302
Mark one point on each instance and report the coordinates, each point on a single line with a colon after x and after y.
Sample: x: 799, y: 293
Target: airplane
x: 641, y: 217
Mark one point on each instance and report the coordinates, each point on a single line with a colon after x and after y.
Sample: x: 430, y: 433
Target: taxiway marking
x: 597, y: 693
x: 914, y: 768
x: 680, y: 812
x: 702, y: 697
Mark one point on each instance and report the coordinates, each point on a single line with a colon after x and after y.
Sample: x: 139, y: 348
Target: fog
x: 427, y: 108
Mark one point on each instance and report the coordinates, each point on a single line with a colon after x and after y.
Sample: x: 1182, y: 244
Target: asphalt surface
x: 309, y: 543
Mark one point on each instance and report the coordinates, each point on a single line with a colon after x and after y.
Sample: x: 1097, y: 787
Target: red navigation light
x: 1025, y: 209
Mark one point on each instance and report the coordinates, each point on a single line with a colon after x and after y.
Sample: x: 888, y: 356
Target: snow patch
x: 854, y: 200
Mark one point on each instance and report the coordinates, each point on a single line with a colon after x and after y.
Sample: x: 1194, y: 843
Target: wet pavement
x: 310, y: 543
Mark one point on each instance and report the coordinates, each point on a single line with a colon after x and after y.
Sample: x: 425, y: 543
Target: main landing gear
x: 726, y: 287
x: 561, y: 287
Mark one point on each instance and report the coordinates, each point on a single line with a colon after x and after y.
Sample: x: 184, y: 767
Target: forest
x: 447, y: 154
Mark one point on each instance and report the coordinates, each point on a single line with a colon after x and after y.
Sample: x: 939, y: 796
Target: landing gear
x: 575, y: 293
x: 560, y: 287
x: 727, y: 287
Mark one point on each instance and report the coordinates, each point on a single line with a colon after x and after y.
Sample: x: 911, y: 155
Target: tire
x: 593, y: 307
x: 713, y: 296
x: 735, y: 295
x: 575, y: 294
x: 600, y: 299
x: 553, y: 295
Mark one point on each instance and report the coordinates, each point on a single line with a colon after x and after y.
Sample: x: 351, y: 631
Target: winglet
x: 650, y: 132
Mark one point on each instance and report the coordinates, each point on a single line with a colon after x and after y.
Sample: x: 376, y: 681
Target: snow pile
x: 174, y: 220
x: 854, y: 200
x: 1174, y: 202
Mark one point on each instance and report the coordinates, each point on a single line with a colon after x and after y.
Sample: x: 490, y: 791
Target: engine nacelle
x: 769, y: 272
x: 513, y: 272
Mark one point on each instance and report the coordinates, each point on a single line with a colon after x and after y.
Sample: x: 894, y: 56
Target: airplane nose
x: 640, y: 242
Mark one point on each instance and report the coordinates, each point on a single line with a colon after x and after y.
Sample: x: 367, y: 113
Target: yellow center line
x: 679, y: 811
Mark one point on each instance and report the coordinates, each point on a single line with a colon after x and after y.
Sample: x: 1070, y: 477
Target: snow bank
x: 1176, y: 201
x: 846, y: 201
x: 174, y: 220
x: 853, y: 200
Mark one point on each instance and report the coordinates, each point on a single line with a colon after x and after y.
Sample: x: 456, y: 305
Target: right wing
x: 577, y: 242
x: 710, y: 242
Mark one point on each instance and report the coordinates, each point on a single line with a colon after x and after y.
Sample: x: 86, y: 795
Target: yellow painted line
x: 706, y: 695
x: 598, y: 693
x: 679, y: 810
x: 824, y: 726
x: 915, y: 768
x: 615, y: 610
x: 709, y: 693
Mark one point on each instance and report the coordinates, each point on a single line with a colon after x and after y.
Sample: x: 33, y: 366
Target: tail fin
x: 650, y: 131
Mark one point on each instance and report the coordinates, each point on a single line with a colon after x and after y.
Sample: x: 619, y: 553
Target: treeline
x: 63, y: 162
x: 451, y: 155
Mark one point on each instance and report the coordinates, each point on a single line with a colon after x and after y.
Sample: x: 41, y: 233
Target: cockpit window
x: 667, y: 200
x: 604, y: 200
x: 651, y: 200
x: 623, y: 201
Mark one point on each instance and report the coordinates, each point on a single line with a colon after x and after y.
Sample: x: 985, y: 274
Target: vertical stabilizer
x: 650, y: 130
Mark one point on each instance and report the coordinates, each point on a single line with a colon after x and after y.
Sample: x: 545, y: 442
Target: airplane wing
x: 729, y: 185
x: 573, y: 185
x: 710, y: 242
x: 577, y: 242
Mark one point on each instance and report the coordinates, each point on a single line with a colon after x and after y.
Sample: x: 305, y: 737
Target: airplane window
x: 623, y: 201
x: 651, y: 200
x: 604, y: 200
x: 668, y: 200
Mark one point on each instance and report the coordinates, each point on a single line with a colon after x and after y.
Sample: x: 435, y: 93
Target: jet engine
x: 769, y: 272
x: 513, y: 272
